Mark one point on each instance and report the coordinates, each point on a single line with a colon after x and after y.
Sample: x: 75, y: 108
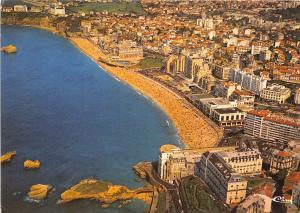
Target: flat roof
x: 228, y: 110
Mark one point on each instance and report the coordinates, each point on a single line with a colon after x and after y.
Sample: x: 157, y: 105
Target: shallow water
x: 59, y: 107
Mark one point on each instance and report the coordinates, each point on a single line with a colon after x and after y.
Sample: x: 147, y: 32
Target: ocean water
x: 59, y: 107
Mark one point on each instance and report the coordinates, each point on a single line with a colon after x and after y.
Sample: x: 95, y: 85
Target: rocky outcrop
x: 32, y: 164
x: 39, y: 191
x: 7, y: 156
x: 9, y: 49
x: 105, y: 192
x: 142, y: 168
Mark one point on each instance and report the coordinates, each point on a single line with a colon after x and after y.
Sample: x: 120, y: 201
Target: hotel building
x: 263, y: 124
x: 248, y: 81
x: 275, y: 92
x: 228, y: 185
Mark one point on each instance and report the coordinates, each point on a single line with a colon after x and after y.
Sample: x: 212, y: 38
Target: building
x: 228, y: 117
x: 175, y: 163
x: 243, y: 97
x: 86, y: 27
x: 225, y: 89
x: 275, y: 92
x: 20, y: 8
x: 244, y: 162
x: 127, y: 50
x: 283, y: 160
x: 58, y: 10
x: 263, y: 124
x: 223, y: 71
x: 228, y: 185
x: 175, y: 64
x: 296, y: 195
x: 248, y: 81
x: 253, y: 204
x: 207, y: 82
x: 207, y: 105
x: 297, y: 96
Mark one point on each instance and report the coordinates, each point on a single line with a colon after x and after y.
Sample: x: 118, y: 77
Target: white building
x: 275, y: 92
x: 58, y: 10
x: 297, y: 96
x: 250, y: 82
x: 20, y: 8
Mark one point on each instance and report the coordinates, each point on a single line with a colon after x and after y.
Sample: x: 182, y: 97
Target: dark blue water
x: 59, y: 107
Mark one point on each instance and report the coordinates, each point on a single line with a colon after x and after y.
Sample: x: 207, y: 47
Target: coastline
x: 194, y: 131
x: 193, y: 128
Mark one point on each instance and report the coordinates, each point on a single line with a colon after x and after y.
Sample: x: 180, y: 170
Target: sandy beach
x: 194, y: 130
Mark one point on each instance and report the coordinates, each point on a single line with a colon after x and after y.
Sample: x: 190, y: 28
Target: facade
x: 275, y: 93
x: 263, y: 124
x: 248, y: 81
x: 297, y: 96
x: 228, y: 185
x: 243, y: 97
x: 228, y: 117
x: 225, y: 89
x: 207, y: 82
x: 20, y: 8
x: 296, y: 195
x: 244, y: 162
x: 283, y: 160
x: 252, y: 204
x: 175, y: 64
x: 126, y: 51
x: 222, y: 71
x: 207, y: 105
x: 58, y: 10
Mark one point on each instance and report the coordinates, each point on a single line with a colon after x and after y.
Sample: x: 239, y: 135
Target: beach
x: 194, y: 130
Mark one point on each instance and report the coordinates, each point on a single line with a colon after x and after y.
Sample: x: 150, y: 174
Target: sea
x: 61, y: 108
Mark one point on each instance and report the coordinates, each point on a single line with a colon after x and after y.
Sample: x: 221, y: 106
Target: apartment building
x: 58, y: 10
x: 275, y: 92
x: 207, y: 105
x: 228, y: 185
x: 244, y: 162
x: 243, y: 97
x: 175, y: 64
x: 297, y: 96
x: 223, y: 71
x: 225, y: 89
x: 255, y: 203
x: 249, y: 81
x: 269, y: 126
x: 283, y: 160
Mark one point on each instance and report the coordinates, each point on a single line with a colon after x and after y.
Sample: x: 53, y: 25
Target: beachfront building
x: 228, y: 117
x: 175, y: 163
x: 283, y: 160
x: 249, y: 81
x: 207, y: 105
x: 175, y: 64
x: 263, y: 124
x: 228, y: 185
x: 275, y: 92
x: 127, y: 50
x: 244, y: 162
x: 20, y: 8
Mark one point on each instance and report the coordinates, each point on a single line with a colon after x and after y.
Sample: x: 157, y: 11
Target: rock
x: 105, y: 192
x: 9, y: 49
x: 39, y: 191
x: 142, y: 168
x: 32, y: 164
x: 7, y: 156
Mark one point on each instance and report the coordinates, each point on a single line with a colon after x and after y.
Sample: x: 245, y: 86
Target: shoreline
x: 194, y: 131
x: 193, y: 128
